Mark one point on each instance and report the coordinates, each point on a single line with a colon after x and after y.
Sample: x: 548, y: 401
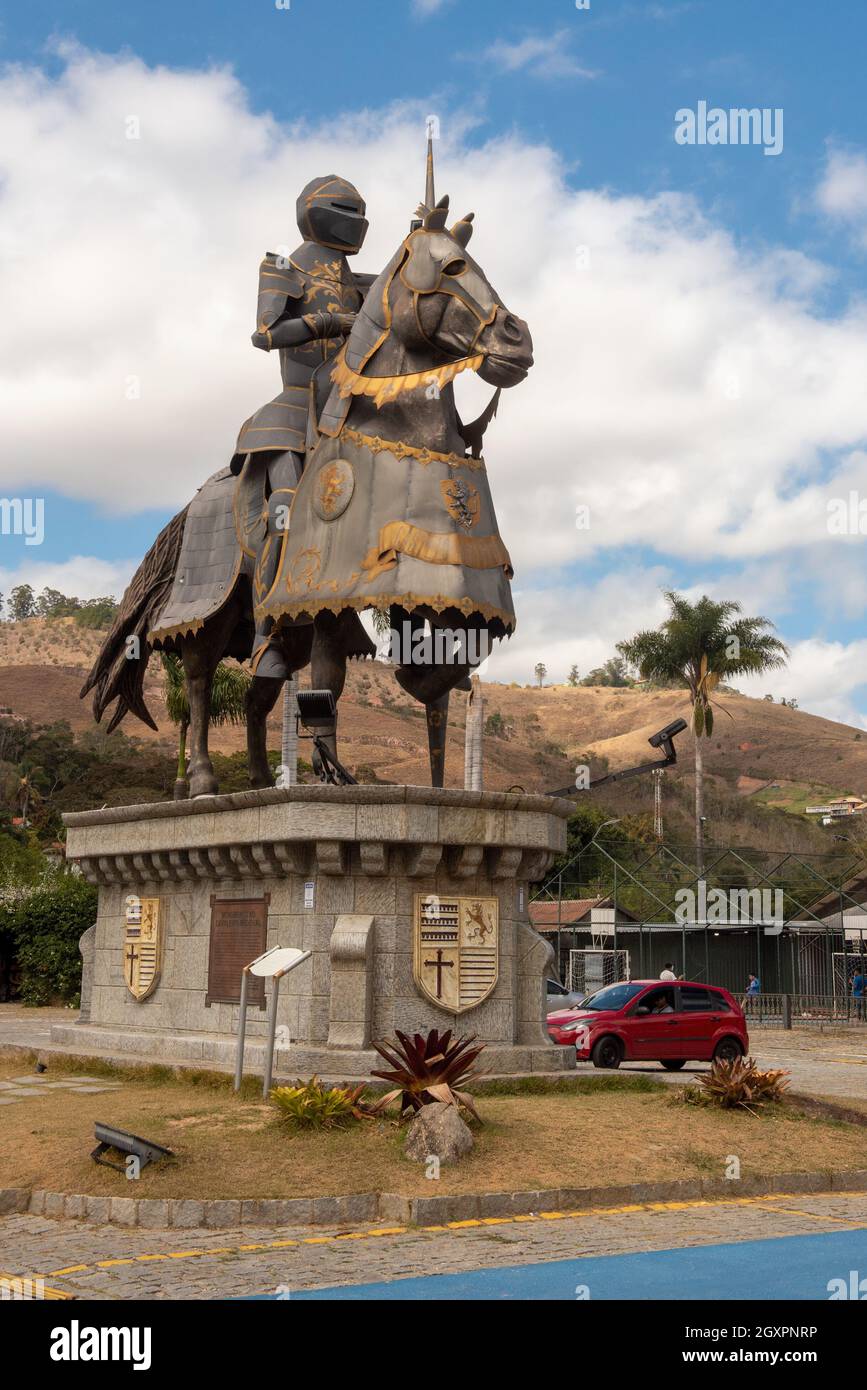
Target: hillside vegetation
x: 764, y: 762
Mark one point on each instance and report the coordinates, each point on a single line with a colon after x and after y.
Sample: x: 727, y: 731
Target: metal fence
x: 817, y: 1011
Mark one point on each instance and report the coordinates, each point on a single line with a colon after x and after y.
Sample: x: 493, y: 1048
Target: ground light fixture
x: 109, y: 1137
x: 317, y: 709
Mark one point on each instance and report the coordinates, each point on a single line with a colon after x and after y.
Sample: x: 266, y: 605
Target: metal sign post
x: 272, y: 965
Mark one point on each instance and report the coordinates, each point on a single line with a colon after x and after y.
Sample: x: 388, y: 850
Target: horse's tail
x: 119, y: 671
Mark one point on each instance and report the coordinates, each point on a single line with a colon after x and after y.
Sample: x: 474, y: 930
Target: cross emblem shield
x: 142, y: 946
x: 456, y: 957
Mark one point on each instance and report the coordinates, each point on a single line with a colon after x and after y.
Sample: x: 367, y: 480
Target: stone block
x: 223, y: 1214
x: 97, y: 1210
x: 186, y: 1214
x: 123, y: 1211
x: 153, y: 1214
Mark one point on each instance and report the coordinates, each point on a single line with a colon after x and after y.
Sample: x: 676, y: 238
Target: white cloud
x: 539, y: 56
x: 425, y: 8
x: 824, y: 677
x: 842, y: 191
x: 83, y: 576
x: 686, y: 387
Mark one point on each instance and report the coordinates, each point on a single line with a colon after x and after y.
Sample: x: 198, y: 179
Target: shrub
x: 738, y: 1084
x: 427, y: 1070
x: 310, y: 1105
x: 46, y: 924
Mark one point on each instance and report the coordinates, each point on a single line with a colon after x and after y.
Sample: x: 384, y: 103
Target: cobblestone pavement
x: 820, y: 1064
x: 113, y: 1263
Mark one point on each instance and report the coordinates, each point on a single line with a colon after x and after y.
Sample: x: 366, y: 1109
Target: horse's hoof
x: 204, y: 784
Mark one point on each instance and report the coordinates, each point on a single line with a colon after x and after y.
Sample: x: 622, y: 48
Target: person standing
x: 667, y: 971
x: 859, y: 990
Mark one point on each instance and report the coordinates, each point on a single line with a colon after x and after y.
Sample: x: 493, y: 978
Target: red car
x: 667, y: 1021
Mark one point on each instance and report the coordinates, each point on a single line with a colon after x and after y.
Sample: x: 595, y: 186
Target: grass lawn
x: 606, y: 1131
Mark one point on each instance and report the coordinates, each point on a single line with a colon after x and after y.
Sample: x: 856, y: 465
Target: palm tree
x: 228, y: 705
x: 697, y: 646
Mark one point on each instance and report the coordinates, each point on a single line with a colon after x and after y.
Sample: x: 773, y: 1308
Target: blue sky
x: 593, y: 92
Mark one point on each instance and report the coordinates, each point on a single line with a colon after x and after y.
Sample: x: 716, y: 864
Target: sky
x: 697, y: 414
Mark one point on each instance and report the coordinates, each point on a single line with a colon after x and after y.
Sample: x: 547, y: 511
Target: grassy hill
x: 765, y: 761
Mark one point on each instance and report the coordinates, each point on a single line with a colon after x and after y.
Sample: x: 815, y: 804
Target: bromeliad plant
x: 310, y: 1105
x: 740, y: 1084
x: 428, y: 1069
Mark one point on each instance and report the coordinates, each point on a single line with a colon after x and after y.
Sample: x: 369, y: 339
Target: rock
x: 438, y: 1131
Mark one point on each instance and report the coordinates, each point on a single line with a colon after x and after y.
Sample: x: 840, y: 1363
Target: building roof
x: 546, y: 915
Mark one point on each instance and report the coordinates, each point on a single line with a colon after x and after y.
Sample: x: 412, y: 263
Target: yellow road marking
x: 30, y: 1287
x: 816, y: 1216
x: 768, y: 1201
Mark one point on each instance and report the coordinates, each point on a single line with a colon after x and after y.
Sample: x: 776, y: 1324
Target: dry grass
x: 234, y: 1147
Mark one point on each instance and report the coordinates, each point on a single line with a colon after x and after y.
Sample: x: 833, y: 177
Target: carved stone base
x: 341, y: 870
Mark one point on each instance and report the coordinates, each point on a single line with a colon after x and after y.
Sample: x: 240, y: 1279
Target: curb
x: 189, y: 1214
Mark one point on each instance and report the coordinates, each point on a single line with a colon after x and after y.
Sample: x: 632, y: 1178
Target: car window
x: 555, y: 988
x: 719, y: 1002
x: 693, y: 999
x: 612, y: 996
x: 657, y: 1001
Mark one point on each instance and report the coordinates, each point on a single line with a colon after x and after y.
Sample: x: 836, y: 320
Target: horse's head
x: 431, y: 314
x: 452, y: 307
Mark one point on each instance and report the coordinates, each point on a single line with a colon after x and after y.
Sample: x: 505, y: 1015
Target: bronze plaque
x: 239, y: 931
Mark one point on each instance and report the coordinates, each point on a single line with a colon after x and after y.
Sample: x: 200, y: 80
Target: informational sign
x: 456, y: 958
x: 239, y: 930
x: 142, y: 946
x: 309, y: 889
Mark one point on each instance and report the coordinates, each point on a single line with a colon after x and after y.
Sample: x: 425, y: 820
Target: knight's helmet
x: 330, y: 211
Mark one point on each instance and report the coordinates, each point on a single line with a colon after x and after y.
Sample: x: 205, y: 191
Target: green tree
x: 612, y: 672
x: 96, y: 613
x: 51, y: 603
x: 573, y: 675
x: 22, y: 603
x: 698, y: 645
x: 45, y: 925
x: 540, y: 672
x: 228, y: 704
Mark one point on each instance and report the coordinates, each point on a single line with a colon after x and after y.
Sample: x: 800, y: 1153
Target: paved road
x: 820, y: 1065
x: 687, y: 1237
x: 757, y: 1269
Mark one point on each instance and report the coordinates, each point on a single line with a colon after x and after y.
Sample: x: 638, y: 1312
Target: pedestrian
x: 859, y: 990
x: 667, y: 971
x: 754, y: 989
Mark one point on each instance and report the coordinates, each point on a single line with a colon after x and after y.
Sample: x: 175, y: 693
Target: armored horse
x: 392, y: 512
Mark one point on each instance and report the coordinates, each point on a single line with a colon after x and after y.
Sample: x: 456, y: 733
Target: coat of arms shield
x: 456, y: 956
x: 142, y: 946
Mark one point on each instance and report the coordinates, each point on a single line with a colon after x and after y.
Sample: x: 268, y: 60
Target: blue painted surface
x: 789, y: 1267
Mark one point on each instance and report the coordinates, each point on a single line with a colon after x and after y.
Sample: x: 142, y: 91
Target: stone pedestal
x: 338, y: 871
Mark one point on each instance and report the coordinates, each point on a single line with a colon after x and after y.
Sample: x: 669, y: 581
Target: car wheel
x: 729, y: 1050
x: 607, y: 1053
x: 674, y: 1063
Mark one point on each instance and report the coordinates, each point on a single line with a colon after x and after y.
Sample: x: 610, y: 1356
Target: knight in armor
x: 307, y: 305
